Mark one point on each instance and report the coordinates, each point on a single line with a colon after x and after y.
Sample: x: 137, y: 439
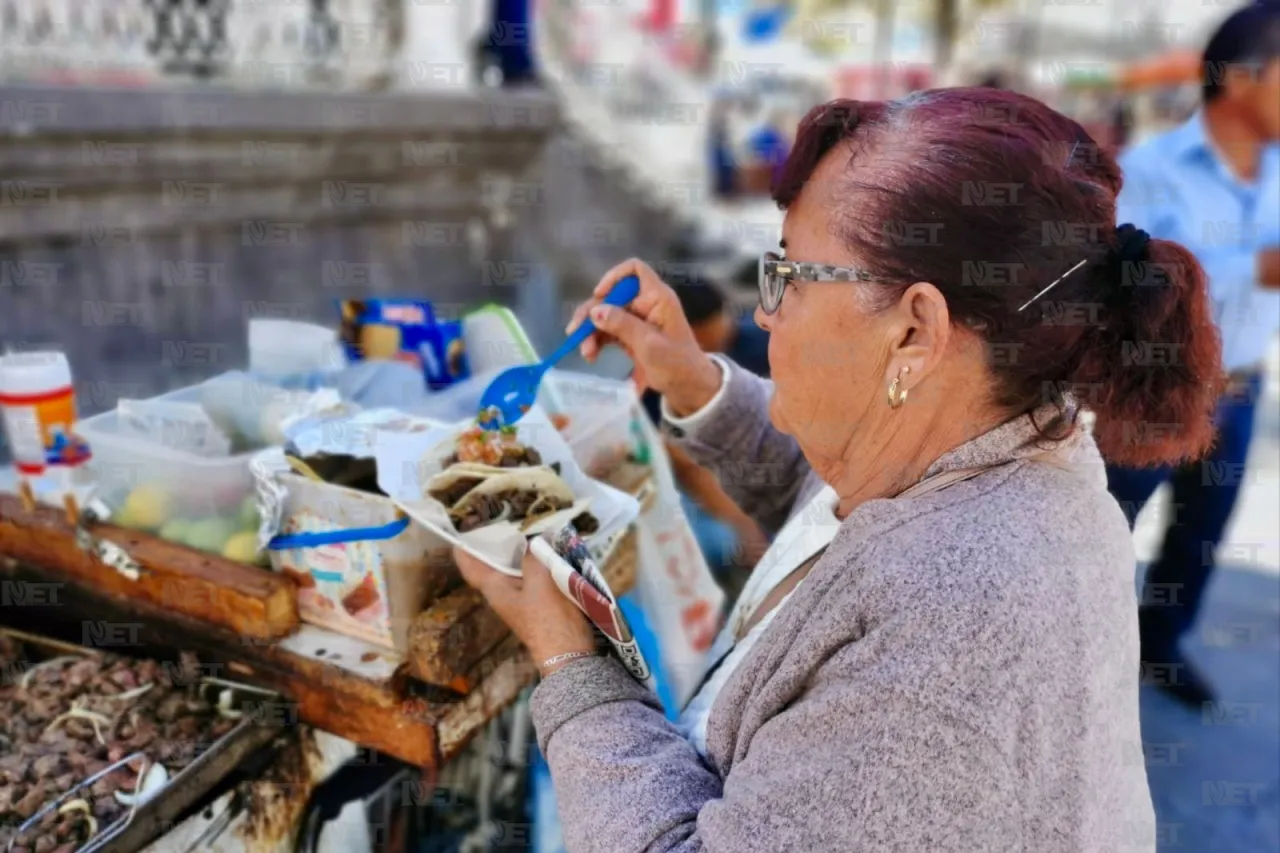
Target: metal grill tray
x: 154, y: 816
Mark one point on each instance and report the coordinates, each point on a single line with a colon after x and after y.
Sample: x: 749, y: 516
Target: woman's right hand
x: 655, y: 334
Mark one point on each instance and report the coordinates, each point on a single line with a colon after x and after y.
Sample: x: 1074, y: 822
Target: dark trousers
x: 1204, y: 495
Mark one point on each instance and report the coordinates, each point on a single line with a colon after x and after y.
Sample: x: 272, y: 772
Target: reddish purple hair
x: 991, y: 195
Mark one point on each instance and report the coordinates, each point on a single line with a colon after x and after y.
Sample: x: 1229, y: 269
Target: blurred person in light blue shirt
x: 1213, y: 185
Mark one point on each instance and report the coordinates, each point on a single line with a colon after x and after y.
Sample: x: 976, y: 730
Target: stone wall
x: 139, y: 230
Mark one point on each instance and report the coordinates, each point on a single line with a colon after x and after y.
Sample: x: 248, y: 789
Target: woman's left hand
x: 532, y: 606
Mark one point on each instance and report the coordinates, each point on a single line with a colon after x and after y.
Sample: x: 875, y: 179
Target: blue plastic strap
x: 337, y: 537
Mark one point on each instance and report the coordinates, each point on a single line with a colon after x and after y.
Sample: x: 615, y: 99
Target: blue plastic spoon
x: 514, y: 391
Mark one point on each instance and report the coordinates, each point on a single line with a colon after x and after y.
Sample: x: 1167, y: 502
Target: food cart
x: 162, y: 694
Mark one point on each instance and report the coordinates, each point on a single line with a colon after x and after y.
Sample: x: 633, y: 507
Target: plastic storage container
x: 181, y: 484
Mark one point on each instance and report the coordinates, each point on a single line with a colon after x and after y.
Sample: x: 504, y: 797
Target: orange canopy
x: 1169, y: 69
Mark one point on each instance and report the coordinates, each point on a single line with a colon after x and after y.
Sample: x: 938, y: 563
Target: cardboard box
x: 405, y: 330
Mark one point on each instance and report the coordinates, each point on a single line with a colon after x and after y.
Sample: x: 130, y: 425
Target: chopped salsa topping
x: 499, y: 448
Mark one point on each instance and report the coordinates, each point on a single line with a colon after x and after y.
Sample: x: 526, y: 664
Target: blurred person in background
x: 994, y: 80
x: 769, y: 144
x: 507, y: 46
x: 1213, y: 185
x: 938, y: 651
x: 1122, y: 122
x: 730, y: 539
x: 724, y: 167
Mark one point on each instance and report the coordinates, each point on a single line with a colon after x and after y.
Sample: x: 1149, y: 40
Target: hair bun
x: 1131, y: 244
x: 1131, y: 272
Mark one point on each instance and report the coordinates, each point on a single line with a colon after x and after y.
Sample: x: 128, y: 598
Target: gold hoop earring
x: 896, y: 397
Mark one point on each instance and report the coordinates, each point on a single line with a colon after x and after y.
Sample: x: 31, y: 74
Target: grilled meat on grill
x: 64, y: 720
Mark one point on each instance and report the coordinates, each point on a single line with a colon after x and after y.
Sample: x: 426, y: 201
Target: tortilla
x: 460, y: 478
x: 478, y: 469
x: 450, y: 485
x: 492, y: 485
x: 542, y: 480
x: 464, y: 482
x: 451, y: 489
x: 529, y: 498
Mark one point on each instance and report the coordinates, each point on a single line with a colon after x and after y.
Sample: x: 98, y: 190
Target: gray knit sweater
x: 959, y: 671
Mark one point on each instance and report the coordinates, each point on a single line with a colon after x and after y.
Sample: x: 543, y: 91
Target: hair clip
x: 1053, y: 284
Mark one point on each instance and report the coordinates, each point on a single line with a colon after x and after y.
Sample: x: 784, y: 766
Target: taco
x: 451, y: 486
x: 528, y: 498
x: 522, y: 507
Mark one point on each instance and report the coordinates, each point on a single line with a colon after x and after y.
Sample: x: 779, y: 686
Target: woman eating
x: 939, y: 650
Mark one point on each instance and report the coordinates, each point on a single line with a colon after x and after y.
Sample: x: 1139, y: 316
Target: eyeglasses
x: 777, y: 272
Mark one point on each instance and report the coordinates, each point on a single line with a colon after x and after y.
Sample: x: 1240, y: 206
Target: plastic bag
x: 254, y: 413
x: 178, y: 426
x: 674, y: 585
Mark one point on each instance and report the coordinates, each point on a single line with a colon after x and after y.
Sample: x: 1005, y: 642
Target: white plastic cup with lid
x: 282, y: 348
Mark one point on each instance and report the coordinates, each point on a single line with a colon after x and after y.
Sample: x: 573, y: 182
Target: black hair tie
x: 1131, y: 245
